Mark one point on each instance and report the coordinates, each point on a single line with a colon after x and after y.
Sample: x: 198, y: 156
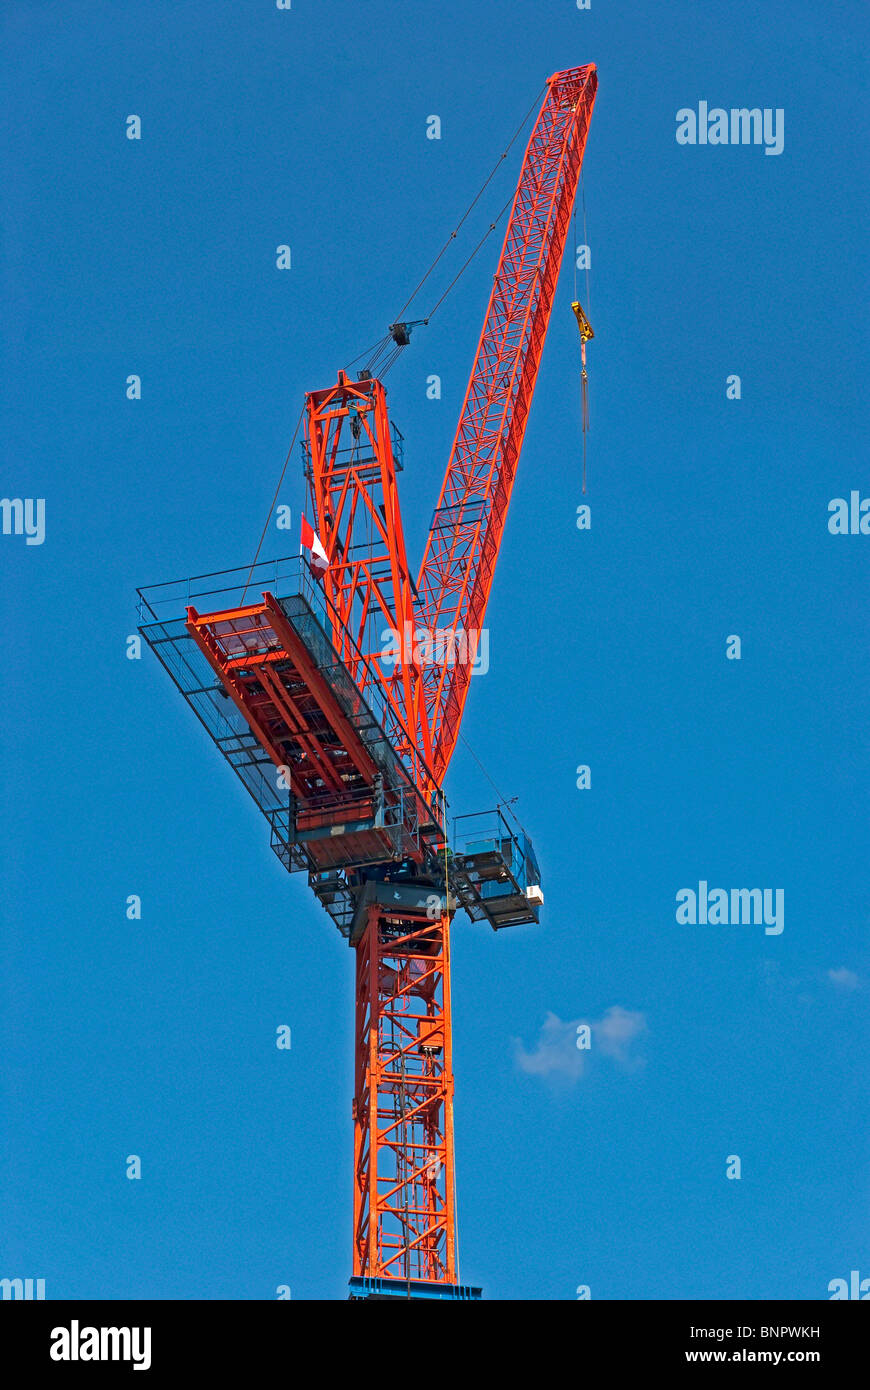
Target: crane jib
x: 462, y: 548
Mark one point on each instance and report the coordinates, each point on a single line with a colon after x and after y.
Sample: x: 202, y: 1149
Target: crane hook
x: 585, y: 334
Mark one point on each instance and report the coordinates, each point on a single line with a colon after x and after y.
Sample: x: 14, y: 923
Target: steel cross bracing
x: 403, y: 1104
x: 403, y: 1101
x: 459, y: 560
x: 359, y: 726
x: 351, y: 469
x: 351, y: 465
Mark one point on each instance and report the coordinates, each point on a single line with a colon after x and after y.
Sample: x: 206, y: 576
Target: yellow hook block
x: 583, y: 323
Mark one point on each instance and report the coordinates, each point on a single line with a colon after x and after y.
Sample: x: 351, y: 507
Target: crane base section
x: 415, y: 1289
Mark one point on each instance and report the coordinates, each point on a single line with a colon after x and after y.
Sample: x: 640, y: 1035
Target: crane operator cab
x: 494, y: 871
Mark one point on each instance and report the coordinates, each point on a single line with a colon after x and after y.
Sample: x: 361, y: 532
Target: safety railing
x: 286, y: 578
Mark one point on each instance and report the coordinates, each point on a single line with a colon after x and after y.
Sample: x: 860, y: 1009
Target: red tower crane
x: 337, y: 697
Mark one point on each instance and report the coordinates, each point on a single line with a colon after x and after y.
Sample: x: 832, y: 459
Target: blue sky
x: 607, y: 647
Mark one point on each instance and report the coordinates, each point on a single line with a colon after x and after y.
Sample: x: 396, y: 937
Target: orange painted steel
x: 352, y: 485
x: 404, y: 1193
x: 271, y: 678
x: 459, y: 561
x: 403, y: 1127
x: 288, y: 704
x: 404, y: 1201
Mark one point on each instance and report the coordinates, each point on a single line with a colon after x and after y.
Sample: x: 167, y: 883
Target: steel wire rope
x: 471, y: 205
x: 272, y: 506
x: 381, y: 343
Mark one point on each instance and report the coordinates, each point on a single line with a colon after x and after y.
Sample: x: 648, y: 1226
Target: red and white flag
x: 318, y: 558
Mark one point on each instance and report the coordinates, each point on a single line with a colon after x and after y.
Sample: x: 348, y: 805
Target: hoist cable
x: 584, y: 386
x: 492, y: 226
x: 452, y: 237
x: 585, y: 244
x: 380, y: 344
x: 584, y: 397
x: 471, y: 205
x: 503, y: 801
x: 272, y: 507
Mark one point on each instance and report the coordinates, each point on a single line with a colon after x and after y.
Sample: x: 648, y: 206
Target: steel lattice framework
x: 351, y: 468
x: 459, y: 560
x: 403, y: 1103
x: 403, y: 1107
x: 344, y: 739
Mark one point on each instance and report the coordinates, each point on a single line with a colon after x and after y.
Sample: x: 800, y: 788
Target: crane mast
x: 342, y: 729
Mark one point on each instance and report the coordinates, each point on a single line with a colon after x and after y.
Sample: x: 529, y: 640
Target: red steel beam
x: 404, y: 1216
x: 459, y: 561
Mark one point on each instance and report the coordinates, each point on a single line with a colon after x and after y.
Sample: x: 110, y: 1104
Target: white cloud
x: 616, y: 1031
x: 556, y: 1054
x: 843, y: 978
